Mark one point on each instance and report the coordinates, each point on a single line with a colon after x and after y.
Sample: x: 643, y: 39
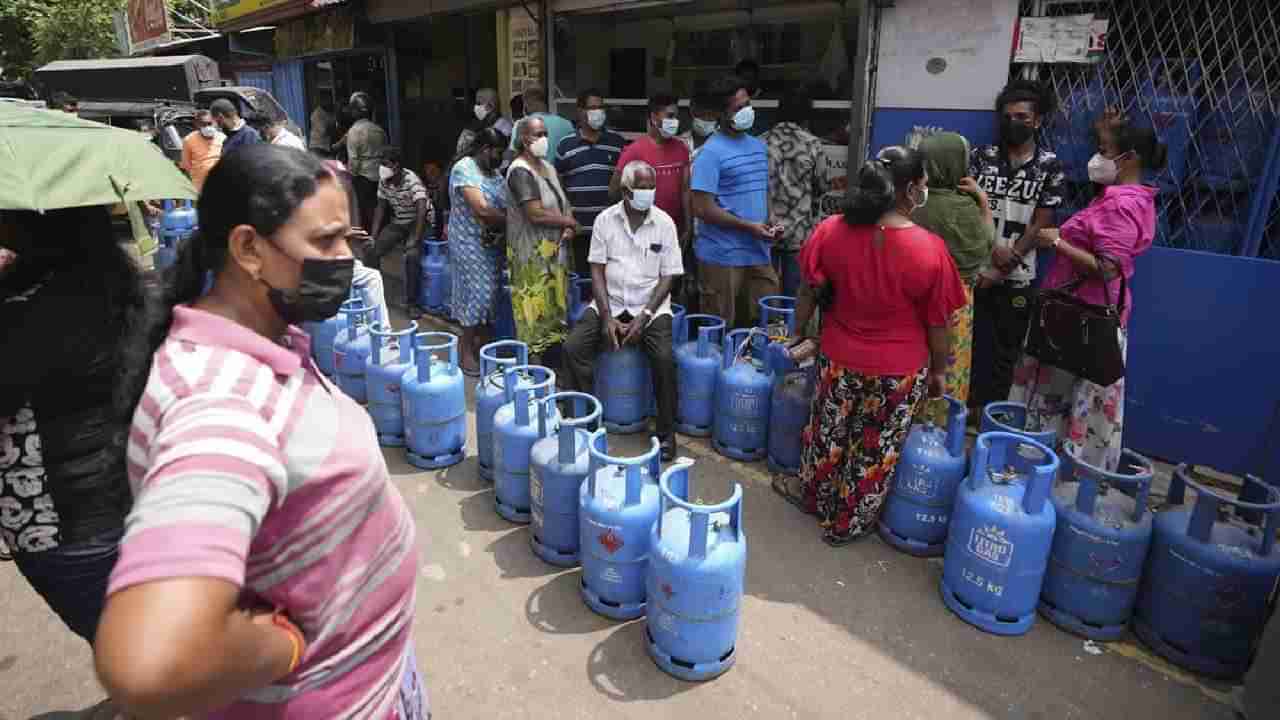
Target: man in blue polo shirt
x: 730, y: 187
x: 585, y: 162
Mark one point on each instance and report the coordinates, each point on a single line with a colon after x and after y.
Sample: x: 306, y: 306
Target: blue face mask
x: 744, y: 119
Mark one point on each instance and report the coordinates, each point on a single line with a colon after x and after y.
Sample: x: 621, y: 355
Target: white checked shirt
x: 635, y: 261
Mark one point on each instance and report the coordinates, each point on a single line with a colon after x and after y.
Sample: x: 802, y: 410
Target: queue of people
x: 196, y: 398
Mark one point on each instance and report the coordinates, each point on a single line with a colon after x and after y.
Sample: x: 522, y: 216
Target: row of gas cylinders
x: 644, y: 547
x: 740, y: 388
x: 1077, y: 543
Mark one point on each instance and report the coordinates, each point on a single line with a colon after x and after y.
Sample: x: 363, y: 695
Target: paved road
x: 856, y: 632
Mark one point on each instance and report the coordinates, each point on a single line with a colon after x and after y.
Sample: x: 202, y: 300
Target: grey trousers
x: 585, y: 343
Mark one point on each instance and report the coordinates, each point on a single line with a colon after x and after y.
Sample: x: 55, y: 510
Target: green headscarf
x: 952, y: 215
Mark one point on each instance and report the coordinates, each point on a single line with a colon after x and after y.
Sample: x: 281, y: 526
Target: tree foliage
x: 35, y: 32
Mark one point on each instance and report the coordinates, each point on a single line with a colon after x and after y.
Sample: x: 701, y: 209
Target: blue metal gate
x: 1201, y: 380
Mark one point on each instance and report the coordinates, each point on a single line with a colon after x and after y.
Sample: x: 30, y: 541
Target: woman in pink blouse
x: 268, y: 566
x: 1119, y: 225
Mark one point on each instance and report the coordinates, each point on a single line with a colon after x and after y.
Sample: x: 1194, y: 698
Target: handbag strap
x: 1074, y: 284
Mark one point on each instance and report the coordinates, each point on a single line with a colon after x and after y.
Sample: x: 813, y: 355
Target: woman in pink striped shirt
x: 267, y: 567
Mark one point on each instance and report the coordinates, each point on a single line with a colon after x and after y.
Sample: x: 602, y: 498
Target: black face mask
x: 325, y: 284
x: 1015, y: 133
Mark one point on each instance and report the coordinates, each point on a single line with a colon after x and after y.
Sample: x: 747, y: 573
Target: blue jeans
x: 787, y: 265
x: 73, y: 579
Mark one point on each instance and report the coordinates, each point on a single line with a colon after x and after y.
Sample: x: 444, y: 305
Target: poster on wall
x: 148, y: 24
x: 837, y: 157
x: 525, y: 52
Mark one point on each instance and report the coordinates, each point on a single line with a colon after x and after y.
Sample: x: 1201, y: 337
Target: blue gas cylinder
x: 624, y: 385
x: 1209, y: 577
x: 1001, y: 531
x: 697, y: 570
x: 579, y: 299
x: 1012, y: 417
x: 743, y: 394
x: 677, y: 321
x: 390, y: 355
x: 698, y: 360
x: 918, y: 509
x: 437, y: 273
x: 434, y: 396
x: 519, y: 423
x: 178, y: 223
x: 788, y: 415
x: 1104, y: 532
x: 424, y: 277
x: 351, y: 349
x: 557, y: 466
x: 778, y: 320
x: 491, y: 394
x: 617, y: 506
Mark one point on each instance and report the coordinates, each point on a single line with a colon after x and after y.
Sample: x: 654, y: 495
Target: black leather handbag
x: 1078, y: 336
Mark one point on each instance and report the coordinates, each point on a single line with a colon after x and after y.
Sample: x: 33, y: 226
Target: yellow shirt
x: 199, y: 155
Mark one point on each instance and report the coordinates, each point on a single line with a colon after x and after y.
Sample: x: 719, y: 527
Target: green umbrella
x: 51, y: 159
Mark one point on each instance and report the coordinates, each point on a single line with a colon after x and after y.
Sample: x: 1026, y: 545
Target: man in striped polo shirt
x: 402, y: 199
x: 585, y: 162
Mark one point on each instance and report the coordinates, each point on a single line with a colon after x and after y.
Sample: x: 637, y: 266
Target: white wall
x: 944, y: 54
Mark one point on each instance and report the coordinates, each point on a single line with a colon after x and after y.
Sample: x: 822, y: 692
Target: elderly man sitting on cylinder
x: 634, y: 257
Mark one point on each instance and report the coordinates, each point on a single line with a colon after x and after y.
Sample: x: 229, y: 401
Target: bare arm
x: 660, y: 294
x: 600, y: 290
x: 686, y: 201
x: 378, y: 217
x: 488, y: 214
x: 172, y: 648
x: 1083, y: 260
x: 806, y: 301
x: 706, y: 209
x: 420, y: 222
x: 539, y: 215
x: 939, y: 350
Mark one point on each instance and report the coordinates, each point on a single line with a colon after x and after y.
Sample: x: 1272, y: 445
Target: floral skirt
x: 852, y: 444
x: 1088, y: 418
x: 959, y: 361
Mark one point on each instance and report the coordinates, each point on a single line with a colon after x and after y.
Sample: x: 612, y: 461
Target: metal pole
x: 865, y: 61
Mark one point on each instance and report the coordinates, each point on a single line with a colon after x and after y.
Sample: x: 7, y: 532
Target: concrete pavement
x: 855, y: 632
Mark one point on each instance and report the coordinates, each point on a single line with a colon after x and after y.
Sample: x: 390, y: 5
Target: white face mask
x: 669, y: 127
x: 744, y: 119
x: 539, y: 147
x: 209, y: 131
x: 481, y: 111
x: 1102, y: 170
x: 703, y: 128
x: 596, y: 118
x: 642, y: 200
x: 385, y: 172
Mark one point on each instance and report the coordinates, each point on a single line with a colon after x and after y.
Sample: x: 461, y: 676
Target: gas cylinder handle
x: 1094, y: 481
x: 380, y: 332
x: 350, y: 310
x: 1205, y: 511
x: 569, y: 425
x: 957, y: 416
x: 597, y: 451
x: 427, y: 348
x: 702, y: 328
x: 631, y: 467
x: 700, y: 514
x: 649, y: 461
x: 1041, y: 474
x: 783, y: 306
x: 490, y: 362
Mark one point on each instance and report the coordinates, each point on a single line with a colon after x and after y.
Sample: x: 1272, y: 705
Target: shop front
x: 442, y: 53
x: 631, y: 51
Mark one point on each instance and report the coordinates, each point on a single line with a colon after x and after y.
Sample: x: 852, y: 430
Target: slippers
x: 788, y: 486
x: 837, y: 541
x: 470, y: 372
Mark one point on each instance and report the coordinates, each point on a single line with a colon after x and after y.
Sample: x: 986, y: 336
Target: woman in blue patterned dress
x: 476, y: 194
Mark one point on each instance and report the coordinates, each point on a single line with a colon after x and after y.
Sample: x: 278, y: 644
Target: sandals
x: 788, y: 486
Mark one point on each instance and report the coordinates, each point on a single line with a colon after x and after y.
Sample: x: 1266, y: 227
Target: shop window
x: 690, y: 45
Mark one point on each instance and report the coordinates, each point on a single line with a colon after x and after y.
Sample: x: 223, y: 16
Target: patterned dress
x: 473, y: 263
x: 538, y: 262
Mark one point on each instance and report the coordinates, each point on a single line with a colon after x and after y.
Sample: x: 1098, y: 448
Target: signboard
x: 227, y: 11
x: 525, y: 52
x: 148, y: 24
x: 837, y: 157
x: 1067, y: 39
